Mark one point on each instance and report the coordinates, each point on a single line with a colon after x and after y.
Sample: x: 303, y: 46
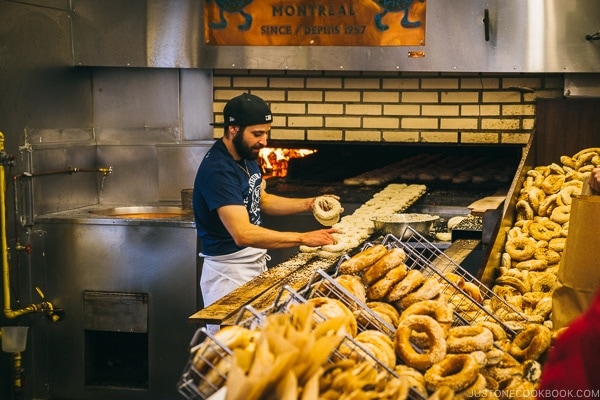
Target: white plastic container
x: 14, y: 338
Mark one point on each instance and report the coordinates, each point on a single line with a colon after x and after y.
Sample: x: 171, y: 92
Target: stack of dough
x: 355, y: 228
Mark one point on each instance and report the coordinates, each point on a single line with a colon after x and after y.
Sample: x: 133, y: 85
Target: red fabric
x: 573, y: 367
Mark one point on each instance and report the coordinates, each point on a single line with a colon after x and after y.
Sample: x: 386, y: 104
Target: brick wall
x: 393, y: 107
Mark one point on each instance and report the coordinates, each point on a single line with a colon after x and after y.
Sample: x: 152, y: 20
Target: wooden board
x: 231, y: 303
x: 479, y: 207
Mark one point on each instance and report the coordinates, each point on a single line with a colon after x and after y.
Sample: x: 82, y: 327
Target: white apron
x: 223, y: 274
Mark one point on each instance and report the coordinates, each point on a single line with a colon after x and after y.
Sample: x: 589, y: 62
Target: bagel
x: 497, y: 330
x: 543, y: 308
x: 327, y: 210
x: 530, y: 343
x: 546, y: 282
x: 544, y: 229
x: 439, y: 311
x: 535, y: 196
x: 428, y: 290
x: 413, y: 279
x: 568, y: 192
x: 561, y: 214
x: 473, y: 291
x: 494, y: 356
x: 524, y: 210
x: 334, y: 308
x: 454, y: 221
x: 376, y: 344
x: 363, y: 259
x: 514, y: 282
x: 353, y: 285
x: 456, y: 279
x: 537, y: 176
x: 436, y: 350
x: 329, y: 254
x: 557, y: 244
x: 385, y: 311
x: 551, y: 256
x: 466, y: 339
x: 532, y: 265
x: 413, y: 377
x: 478, y: 389
x: 231, y: 336
x: 339, y: 245
x: 480, y: 356
x: 547, y: 205
x: 553, y: 183
x: 520, y: 248
x: 393, y: 258
x: 381, y: 288
x: 456, y: 371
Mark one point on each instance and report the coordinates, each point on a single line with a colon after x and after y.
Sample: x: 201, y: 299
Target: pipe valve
x: 7, y: 160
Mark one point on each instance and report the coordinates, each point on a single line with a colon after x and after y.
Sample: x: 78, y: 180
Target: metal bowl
x: 396, y: 224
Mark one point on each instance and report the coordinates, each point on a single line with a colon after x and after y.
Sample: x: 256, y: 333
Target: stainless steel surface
x: 122, y: 257
x: 148, y: 212
x: 524, y: 36
x: 397, y: 224
x: 582, y: 85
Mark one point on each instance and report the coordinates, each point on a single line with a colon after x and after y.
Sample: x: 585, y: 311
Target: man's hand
x: 321, y: 237
x: 595, y: 179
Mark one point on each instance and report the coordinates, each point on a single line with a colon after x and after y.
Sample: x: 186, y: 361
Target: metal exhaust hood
x: 538, y: 36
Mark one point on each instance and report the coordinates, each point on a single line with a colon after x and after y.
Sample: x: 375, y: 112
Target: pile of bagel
x: 355, y: 228
x: 535, y: 243
x: 427, y: 347
x: 306, y: 353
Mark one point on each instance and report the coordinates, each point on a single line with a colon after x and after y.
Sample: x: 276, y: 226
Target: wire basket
x: 322, y: 284
x: 201, y: 384
x: 432, y: 262
x: 206, y: 348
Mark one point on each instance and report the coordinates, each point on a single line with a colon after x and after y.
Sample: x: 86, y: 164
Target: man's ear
x: 232, y: 130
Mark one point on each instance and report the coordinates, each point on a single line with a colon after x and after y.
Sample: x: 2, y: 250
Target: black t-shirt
x: 222, y: 181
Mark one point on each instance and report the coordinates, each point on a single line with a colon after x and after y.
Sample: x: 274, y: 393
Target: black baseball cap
x: 246, y: 110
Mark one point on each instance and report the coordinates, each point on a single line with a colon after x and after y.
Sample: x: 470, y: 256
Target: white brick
x: 362, y: 136
x: 325, y: 135
x: 439, y: 137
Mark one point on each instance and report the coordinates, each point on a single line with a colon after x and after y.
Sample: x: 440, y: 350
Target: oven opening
x: 116, y: 359
x: 115, y: 329
x: 274, y: 161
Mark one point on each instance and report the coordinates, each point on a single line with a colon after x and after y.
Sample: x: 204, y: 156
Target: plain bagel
x: 327, y: 210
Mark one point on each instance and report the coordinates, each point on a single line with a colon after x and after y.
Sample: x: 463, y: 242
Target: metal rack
x: 432, y: 262
x: 322, y: 284
x: 205, y: 347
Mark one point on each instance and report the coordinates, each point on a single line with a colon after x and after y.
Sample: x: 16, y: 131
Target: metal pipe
x: 17, y: 377
x: 47, y: 307
x: 70, y: 170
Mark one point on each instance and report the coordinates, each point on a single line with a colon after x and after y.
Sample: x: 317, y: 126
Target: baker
x: 228, y: 199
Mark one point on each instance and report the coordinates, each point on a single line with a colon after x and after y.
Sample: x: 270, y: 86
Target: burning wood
x: 274, y: 161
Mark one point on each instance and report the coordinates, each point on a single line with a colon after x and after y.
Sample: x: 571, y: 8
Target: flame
x: 274, y: 161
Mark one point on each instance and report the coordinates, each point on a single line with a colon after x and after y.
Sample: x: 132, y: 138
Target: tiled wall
x: 393, y: 107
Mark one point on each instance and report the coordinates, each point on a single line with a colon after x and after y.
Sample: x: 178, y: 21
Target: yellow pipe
x: 18, y: 372
x: 8, y: 312
x: 3, y: 244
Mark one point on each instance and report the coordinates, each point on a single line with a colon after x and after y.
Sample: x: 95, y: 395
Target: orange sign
x: 314, y: 23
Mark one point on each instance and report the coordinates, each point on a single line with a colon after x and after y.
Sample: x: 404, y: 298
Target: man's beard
x: 242, y: 148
